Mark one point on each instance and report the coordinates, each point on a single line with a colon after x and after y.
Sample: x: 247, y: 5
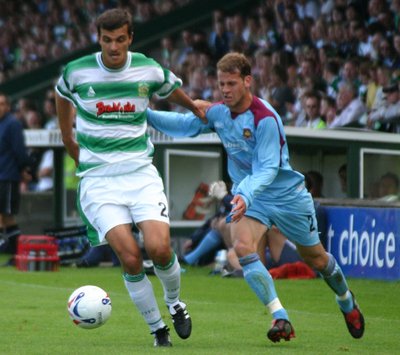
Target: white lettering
x: 379, y: 239
x: 365, y: 247
x: 364, y: 240
x: 343, y: 259
x: 390, y: 248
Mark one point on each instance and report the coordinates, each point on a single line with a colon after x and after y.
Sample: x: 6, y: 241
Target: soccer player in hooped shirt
x: 109, y: 92
x: 266, y: 190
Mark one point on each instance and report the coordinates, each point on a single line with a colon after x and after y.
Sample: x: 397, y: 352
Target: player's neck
x: 243, y: 104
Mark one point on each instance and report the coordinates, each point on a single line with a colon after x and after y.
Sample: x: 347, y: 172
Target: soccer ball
x: 89, y: 307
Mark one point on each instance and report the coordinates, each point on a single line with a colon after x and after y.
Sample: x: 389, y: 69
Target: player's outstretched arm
x: 202, y: 105
x: 66, y: 116
x: 176, y: 124
x: 180, y: 98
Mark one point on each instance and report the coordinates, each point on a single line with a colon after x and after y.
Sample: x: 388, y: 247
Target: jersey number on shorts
x: 164, y: 208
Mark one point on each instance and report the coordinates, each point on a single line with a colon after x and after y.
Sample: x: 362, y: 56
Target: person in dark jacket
x: 14, y: 160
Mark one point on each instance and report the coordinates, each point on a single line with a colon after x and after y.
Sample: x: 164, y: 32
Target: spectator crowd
x: 321, y: 63
x: 35, y: 32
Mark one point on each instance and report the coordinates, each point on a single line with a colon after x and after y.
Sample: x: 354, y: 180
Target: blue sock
x: 211, y: 241
x: 261, y: 282
x: 334, y: 277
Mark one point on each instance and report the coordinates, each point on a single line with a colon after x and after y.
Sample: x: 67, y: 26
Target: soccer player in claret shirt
x: 267, y: 191
x: 109, y: 91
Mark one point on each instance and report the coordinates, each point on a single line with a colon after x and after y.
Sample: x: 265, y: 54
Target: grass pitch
x: 227, y: 317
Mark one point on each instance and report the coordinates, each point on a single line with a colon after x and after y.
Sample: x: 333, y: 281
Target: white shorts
x: 106, y: 202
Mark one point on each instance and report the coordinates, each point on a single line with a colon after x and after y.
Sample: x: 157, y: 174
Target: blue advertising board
x: 365, y: 241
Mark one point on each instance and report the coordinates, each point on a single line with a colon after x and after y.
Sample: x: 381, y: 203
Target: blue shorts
x: 296, y: 220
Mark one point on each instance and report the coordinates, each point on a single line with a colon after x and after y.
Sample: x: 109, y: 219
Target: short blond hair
x: 234, y: 62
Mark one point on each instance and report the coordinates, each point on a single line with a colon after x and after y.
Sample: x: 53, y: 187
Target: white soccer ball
x: 89, y: 307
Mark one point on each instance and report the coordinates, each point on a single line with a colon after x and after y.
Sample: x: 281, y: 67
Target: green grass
x: 227, y: 317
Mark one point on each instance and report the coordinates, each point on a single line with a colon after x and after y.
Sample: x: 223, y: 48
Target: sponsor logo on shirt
x: 114, y: 107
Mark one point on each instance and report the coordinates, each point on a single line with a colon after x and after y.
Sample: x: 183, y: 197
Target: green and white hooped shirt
x: 111, y: 105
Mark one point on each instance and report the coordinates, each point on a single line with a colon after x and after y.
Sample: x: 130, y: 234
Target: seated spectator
x: 387, y: 117
x: 328, y: 109
x: 207, y: 240
x: 331, y: 75
x: 279, y: 256
x: 313, y: 113
x: 350, y: 107
x: 388, y: 188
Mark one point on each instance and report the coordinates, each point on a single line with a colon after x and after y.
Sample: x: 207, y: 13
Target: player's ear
x: 247, y: 81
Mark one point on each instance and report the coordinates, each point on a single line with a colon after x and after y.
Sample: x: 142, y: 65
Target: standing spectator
x: 14, y: 160
x: 119, y: 184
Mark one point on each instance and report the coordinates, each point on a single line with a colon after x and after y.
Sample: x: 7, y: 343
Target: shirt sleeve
x: 171, y: 83
x: 266, y: 160
x: 177, y: 124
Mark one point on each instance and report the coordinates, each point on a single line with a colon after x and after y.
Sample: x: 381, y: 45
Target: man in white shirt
x: 350, y: 107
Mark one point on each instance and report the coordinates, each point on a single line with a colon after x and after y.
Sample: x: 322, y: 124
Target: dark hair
x: 115, y: 18
x: 313, y: 94
x: 234, y: 62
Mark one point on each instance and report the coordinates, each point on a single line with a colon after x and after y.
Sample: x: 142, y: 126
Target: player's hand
x: 238, y: 210
x: 202, y: 107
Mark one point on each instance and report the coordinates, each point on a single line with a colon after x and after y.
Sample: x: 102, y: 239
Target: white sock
x: 170, y: 277
x: 141, y: 292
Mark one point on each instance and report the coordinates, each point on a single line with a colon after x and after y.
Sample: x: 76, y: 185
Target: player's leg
x: 210, y: 242
x: 166, y: 267
x: 298, y: 223
x: 101, y: 206
x: 150, y: 212
x: 325, y: 263
x: 246, y: 235
x: 136, y: 281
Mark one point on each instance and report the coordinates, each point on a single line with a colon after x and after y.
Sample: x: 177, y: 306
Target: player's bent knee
x: 243, y: 249
x: 317, y: 262
x: 132, y: 264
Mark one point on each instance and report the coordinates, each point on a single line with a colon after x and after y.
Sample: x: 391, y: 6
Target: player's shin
x: 334, y: 277
x: 141, y: 292
x: 261, y: 282
x: 170, y: 277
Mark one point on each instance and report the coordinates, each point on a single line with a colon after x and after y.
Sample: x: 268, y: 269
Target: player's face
x: 235, y: 90
x: 114, y: 46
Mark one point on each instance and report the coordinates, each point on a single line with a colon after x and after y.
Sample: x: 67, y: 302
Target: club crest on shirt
x: 143, y: 89
x: 247, y: 133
